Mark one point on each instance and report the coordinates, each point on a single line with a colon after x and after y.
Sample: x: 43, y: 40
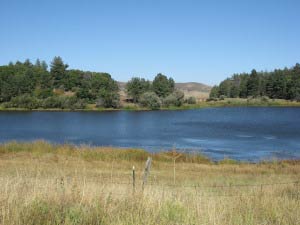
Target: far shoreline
x: 228, y: 102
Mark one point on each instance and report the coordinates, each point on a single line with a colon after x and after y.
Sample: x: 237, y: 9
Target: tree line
x: 277, y: 84
x: 28, y: 85
x: 32, y: 86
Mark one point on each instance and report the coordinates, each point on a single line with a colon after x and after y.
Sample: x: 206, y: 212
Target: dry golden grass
x: 46, y: 184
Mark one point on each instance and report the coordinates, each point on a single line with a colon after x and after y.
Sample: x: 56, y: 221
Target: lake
x: 242, y: 133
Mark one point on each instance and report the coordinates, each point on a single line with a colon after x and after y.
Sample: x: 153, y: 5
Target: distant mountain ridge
x: 198, y: 90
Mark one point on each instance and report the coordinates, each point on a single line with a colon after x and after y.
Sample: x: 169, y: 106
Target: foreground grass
x: 64, y: 184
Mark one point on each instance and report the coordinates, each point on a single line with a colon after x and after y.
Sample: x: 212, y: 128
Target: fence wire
x: 211, y: 186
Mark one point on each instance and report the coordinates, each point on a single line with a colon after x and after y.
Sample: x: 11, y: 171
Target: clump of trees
x: 28, y: 85
x: 136, y: 87
x: 163, y: 86
x: 277, y: 84
x: 35, y: 86
x: 160, y: 92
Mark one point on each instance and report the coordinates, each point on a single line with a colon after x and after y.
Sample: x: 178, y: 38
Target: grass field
x: 64, y: 184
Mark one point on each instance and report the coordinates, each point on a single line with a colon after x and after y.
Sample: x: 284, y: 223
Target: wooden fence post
x: 174, y: 171
x: 133, y: 178
x: 147, y: 171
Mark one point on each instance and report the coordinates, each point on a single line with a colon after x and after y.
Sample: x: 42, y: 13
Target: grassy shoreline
x: 87, y: 152
x: 228, y: 102
x: 64, y: 184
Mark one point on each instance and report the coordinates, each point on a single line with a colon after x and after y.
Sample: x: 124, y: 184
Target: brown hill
x: 193, y: 86
x: 198, y: 90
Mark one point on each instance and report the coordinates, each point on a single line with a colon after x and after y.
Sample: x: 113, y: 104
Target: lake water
x: 241, y: 133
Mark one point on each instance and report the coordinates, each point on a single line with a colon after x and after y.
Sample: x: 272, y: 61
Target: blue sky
x: 202, y: 41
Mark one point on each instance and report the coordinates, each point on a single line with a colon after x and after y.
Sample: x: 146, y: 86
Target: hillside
x: 198, y: 90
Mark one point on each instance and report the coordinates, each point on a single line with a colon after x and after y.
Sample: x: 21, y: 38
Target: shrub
x: 191, y: 100
x: 222, y: 97
x: 99, y: 103
x: 170, y: 100
x: 75, y: 103
x: 54, y: 102
x: 108, y: 100
x: 264, y: 98
x: 212, y: 99
x: 63, y: 102
x: 150, y: 100
x: 174, y: 99
x: 23, y: 101
x: 51, y: 102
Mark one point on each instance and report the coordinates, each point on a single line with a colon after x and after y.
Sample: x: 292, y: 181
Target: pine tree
x: 58, y: 71
x: 253, y: 84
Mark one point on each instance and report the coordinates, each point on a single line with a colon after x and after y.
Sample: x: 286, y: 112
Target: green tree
x: 38, y: 63
x: 276, y: 85
x: 253, y: 84
x: 163, y: 86
x: 243, y: 85
x: 214, y: 92
x: 224, y: 88
x: 136, y: 87
x: 234, y: 91
x: 44, y: 65
x: 294, y: 83
x: 58, y: 71
x: 27, y: 63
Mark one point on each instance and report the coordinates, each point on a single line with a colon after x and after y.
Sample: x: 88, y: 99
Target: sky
x: 200, y: 41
